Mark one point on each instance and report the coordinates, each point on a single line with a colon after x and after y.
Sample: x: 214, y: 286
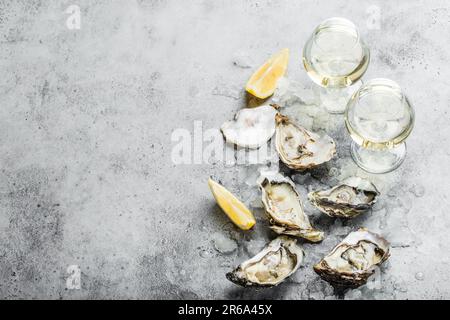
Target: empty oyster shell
x: 299, y: 148
x: 285, y: 209
x: 353, y: 260
x: 277, y: 261
x: 251, y: 127
x: 346, y: 200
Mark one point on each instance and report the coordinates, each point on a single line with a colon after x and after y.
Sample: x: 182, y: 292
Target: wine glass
x: 379, y: 118
x: 336, y: 58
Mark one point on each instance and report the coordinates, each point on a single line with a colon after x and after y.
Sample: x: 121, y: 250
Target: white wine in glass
x: 335, y: 58
x: 379, y: 118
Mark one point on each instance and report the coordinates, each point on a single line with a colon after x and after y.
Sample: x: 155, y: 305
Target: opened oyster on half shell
x: 346, y: 200
x: 251, y: 127
x: 277, y: 261
x: 353, y: 260
x: 299, y: 148
x: 285, y: 209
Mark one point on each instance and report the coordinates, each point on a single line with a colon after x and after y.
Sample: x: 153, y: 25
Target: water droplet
x: 242, y: 60
x: 419, y: 276
x: 417, y: 190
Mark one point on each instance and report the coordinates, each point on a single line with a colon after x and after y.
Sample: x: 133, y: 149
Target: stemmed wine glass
x: 335, y: 58
x: 379, y: 118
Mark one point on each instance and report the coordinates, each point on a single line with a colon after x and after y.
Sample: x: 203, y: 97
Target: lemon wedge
x: 232, y: 206
x: 263, y: 82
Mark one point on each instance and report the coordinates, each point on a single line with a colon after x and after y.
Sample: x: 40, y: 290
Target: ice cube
x: 223, y: 244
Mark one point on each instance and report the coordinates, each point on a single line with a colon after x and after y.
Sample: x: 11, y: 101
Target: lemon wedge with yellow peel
x: 263, y: 82
x: 232, y: 206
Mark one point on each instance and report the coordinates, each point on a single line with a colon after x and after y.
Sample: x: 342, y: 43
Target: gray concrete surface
x: 86, y: 121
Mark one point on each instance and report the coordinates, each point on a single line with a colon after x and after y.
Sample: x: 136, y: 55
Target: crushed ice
x: 223, y: 244
x: 388, y: 217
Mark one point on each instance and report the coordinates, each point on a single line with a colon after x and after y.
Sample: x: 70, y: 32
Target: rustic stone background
x: 86, y: 120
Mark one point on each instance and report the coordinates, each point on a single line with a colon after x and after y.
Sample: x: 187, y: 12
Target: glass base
x: 335, y: 99
x: 378, y: 161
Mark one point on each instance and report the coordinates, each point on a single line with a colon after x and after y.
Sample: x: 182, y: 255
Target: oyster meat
x: 277, y: 261
x: 251, y: 127
x: 346, y: 200
x: 353, y: 260
x: 285, y: 209
x: 299, y: 148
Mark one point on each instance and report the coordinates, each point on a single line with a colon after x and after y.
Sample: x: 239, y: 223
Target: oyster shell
x: 299, y: 148
x: 277, y: 261
x: 251, y: 127
x: 346, y: 200
x: 353, y: 260
x: 285, y: 209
